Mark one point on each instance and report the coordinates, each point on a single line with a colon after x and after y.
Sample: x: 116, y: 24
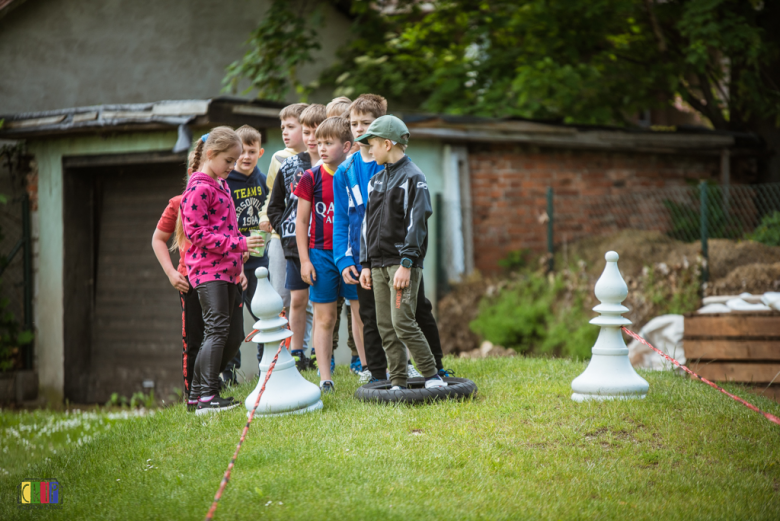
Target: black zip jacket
x: 396, y: 221
x: 283, y: 205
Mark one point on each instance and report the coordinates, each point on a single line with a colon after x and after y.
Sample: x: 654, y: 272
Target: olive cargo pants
x: 395, y: 318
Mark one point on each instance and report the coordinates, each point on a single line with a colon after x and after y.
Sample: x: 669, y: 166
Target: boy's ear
x: 347, y: 146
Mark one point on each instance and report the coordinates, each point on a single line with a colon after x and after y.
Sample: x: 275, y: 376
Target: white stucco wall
x: 57, y: 54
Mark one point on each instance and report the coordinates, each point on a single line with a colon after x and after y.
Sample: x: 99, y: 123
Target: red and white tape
x: 770, y: 417
x: 226, y: 477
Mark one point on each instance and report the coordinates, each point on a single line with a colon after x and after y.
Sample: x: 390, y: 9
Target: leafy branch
x: 278, y: 48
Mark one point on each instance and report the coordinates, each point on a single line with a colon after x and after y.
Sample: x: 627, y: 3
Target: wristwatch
x: 406, y: 262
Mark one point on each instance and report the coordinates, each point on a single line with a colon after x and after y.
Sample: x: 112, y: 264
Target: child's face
x: 308, y: 138
x: 221, y: 164
x: 291, y: 132
x: 333, y: 150
x: 247, y: 161
x: 359, y: 123
x: 380, y: 149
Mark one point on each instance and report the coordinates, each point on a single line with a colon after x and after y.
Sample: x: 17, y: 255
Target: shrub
x: 539, y: 314
x: 536, y: 314
x: 768, y: 232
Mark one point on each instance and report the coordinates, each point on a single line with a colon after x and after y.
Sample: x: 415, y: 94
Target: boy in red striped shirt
x: 314, y: 236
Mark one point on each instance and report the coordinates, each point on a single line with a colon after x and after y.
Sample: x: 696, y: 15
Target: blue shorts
x: 329, y: 285
x: 293, y: 280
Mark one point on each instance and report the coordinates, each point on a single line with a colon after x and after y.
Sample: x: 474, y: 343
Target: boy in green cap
x: 393, y: 242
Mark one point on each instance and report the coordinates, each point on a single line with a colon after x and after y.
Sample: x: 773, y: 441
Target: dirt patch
x: 641, y: 248
x: 753, y: 278
x: 735, y: 267
x: 637, y: 249
x: 456, y: 310
x: 726, y: 256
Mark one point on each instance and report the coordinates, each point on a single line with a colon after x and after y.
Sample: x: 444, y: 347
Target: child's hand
x: 350, y: 275
x: 242, y: 280
x: 307, y: 273
x: 401, y: 279
x: 178, y: 281
x: 254, y: 243
x: 266, y: 226
x: 365, y: 278
x: 245, y: 257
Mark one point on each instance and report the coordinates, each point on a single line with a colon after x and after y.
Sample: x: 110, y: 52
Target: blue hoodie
x: 350, y: 193
x: 249, y: 195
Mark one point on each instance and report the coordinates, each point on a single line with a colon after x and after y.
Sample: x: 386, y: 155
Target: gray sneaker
x: 364, y: 376
x: 412, y: 372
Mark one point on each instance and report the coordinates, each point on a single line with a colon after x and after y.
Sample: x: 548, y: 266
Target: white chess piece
x: 287, y: 392
x: 609, y: 374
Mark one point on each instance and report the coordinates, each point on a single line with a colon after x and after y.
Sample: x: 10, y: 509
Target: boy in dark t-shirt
x: 248, y: 188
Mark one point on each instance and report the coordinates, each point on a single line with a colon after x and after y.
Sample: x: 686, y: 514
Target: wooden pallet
x: 735, y: 347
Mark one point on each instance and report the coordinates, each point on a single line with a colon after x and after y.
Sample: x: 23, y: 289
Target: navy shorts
x: 329, y: 285
x: 293, y: 281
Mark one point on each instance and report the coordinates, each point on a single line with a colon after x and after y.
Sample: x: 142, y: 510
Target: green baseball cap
x: 386, y: 127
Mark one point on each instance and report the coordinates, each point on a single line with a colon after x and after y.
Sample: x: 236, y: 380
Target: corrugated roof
x: 164, y: 112
x: 264, y: 114
x: 138, y: 116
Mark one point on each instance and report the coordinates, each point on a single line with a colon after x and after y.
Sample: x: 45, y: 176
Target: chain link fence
x: 687, y: 214
x: 15, y: 261
x: 11, y: 246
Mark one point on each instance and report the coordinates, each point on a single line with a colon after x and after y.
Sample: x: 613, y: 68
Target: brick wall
x: 508, y: 185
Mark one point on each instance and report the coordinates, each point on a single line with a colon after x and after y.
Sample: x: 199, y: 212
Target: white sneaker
x: 436, y: 381
x: 412, y: 372
x: 364, y: 376
x: 397, y: 388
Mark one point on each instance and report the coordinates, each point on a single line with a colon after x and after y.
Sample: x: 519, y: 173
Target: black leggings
x: 375, y: 354
x: 191, y: 334
x: 223, y: 332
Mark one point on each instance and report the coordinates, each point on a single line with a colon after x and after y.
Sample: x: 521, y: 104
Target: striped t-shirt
x: 316, y: 186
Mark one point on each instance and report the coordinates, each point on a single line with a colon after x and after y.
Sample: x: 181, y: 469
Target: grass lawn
x: 521, y: 450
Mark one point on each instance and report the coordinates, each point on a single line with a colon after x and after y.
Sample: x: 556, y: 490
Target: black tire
x: 456, y: 389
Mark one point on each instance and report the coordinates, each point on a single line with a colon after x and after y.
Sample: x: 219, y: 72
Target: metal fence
x: 16, y: 266
x: 688, y: 214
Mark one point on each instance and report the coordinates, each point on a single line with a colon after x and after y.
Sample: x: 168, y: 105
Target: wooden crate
x: 735, y: 347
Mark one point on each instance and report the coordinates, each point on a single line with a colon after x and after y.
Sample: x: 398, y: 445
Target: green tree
x: 595, y: 61
x: 278, y: 48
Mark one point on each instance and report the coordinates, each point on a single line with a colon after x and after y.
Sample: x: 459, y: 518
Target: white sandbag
x: 722, y: 299
x: 714, y: 308
x: 771, y: 299
x: 738, y: 304
x: 665, y: 333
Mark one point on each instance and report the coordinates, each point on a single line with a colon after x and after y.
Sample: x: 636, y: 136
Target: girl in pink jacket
x: 214, y: 261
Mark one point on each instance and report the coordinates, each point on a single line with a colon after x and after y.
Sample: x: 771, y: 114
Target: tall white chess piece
x: 287, y: 392
x: 609, y: 374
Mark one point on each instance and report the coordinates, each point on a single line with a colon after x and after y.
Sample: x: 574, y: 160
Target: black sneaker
x: 216, y: 404
x: 192, y: 405
x: 301, y: 362
x: 327, y: 387
x: 446, y: 373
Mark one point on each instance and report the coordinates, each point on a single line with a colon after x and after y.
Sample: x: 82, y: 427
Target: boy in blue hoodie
x: 248, y: 187
x: 350, y: 193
